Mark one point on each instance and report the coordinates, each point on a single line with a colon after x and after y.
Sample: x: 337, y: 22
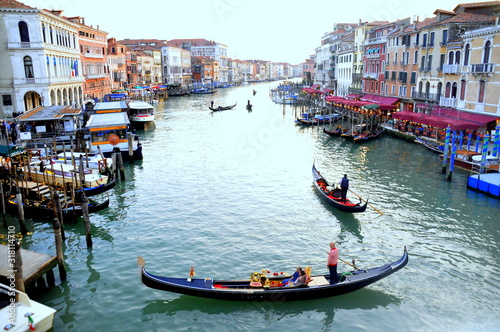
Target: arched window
x: 463, y: 85
x: 482, y: 89
x: 23, y: 32
x: 28, y: 67
x: 457, y: 57
x: 415, y: 60
x: 51, y: 35
x: 486, y: 52
x: 467, y: 55
x: 450, y: 58
x: 454, y: 90
x: 447, y: 92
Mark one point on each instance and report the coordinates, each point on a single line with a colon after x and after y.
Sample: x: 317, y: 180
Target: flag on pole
x: 31, y: 323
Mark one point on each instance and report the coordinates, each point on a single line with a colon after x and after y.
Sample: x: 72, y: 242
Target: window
x: 457, y: 57
x: 482, y: 86
x: 422, y: 62
x: 23, y: 32
x: 413, y: 78
x: 466, y: 55
x: 431, y: 41
x: 417, y: 38
x: 28, y: 67
x: 43, y: 33
x: 445, y: 37
x: 486, y: 52
x: 463, y: 84
x: 450, y: 58
x: 415, y: 60
x: 7, y: 100
x: 424, y: 41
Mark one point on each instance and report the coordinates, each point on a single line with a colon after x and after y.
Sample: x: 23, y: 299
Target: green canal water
x: 231, y: 193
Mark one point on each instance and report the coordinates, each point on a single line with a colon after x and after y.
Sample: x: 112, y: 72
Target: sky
x: 273, y: 30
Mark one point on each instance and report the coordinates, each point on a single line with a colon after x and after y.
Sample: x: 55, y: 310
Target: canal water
x: 231, y: 193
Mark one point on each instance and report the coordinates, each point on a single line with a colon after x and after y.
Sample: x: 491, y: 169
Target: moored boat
x: 265, y: 287
x: 333, y: 197
x: 20, y: 313
x: 140, y: 113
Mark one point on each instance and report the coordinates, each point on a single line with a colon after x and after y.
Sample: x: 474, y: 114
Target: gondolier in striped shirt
x: 333, y: 257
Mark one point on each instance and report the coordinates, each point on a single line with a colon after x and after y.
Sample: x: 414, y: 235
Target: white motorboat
x: 141, y: 112
x: 90, y: 160
x: 19, y: 313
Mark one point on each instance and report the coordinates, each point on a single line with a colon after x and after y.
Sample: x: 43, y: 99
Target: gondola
x: 40, y: 210
x: 266, y: 287
x: 100, y: 189
x: 203, y: 92
x: 432, y: 145
x: 368, y: 136
x: 337, y: 131
x: 222, y: 108
x: 334, y: 197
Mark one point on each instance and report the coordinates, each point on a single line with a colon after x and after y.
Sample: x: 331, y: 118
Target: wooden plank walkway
x: 35, y: 264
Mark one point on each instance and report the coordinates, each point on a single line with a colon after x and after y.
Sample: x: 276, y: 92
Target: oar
x: 365, y: 201
x: 353, y: 265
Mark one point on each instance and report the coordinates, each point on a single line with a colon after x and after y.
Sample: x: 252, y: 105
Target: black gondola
x: 222, y: 108
x: 432, y: 145
x: 333, y: 197
x: 363, y: 136
x: 39, y: 210
x: 337, y: 131
x: 261, y: 287
x: 99, y: 189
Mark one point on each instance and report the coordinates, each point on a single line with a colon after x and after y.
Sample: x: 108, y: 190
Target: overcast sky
x: 275, y: 30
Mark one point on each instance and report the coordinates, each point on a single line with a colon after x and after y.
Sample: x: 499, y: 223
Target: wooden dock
x: 35, y: 266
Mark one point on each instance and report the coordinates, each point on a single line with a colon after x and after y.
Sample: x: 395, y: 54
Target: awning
x: 454, y: 114
x: 353, y: 95
x: 380, y: 99
x: 438, y: 120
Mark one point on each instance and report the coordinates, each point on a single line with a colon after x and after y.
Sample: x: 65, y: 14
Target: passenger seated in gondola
x: 294, y: 277
x: 303, y: 279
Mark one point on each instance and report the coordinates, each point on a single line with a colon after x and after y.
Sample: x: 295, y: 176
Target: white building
x: 40, y: 60
x: 172, y: 64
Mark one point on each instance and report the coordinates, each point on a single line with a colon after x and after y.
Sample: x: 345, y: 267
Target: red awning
x: 436, y: 121
x: 380, y: 99
x: 453, y: 114
x: 353, y: 95
x: 386, y: 107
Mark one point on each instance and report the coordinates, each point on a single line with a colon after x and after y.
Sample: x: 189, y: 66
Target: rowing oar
x: 365, y: 201
x: 353, y: 265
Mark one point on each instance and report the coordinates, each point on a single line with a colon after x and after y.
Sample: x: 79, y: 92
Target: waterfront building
x: 344, y: 64
x: 94, y: 58
x: 117, y: 59
x: 360, y: 33
x: 204, y: 69
x: 432, y: 39
x: 40, y: 58
x: 401, y: 66
x: 307, y: 71
x: 132, y: 68
x: 203, y: 47
x: 376, y: 57
x: 324, y: 64
x: 478, y: 81
x: 176, y: 64
x: 145, y: 64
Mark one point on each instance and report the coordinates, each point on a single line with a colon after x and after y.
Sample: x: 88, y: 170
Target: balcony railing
x: 28, y: 45
x: 426, y: 96
x: 370, y: 75
x: 448, y: 102
x: 482, y: 68
x: 451, y: 69
x: 93, y: 55
x: 376, y: 40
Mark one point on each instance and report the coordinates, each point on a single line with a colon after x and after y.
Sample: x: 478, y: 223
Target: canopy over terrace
x: 441, y: 118
x: 312, y: 91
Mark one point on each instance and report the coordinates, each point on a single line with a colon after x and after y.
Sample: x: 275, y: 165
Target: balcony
x: 49, y: 80
x: 95, y: 76
x: 370, y: 76
x: 28, y: 45
x: 425, y: 96
x: 448, y: 102
x: 372, y: 56
x: 451, y: 69
x: 93, y: 55
x: 376, y: 40
x: 482, y: 68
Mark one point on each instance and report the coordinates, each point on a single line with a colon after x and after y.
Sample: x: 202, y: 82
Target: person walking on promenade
x: 344, y: 187
x: 333, y: 257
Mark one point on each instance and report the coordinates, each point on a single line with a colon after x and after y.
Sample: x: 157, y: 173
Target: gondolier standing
x: 333, y: 257
x: 344, y: 186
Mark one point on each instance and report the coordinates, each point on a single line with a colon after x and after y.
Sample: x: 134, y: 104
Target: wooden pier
x: 34, y: 265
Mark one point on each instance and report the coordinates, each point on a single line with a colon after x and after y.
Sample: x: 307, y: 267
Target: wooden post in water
x: 446, y: 148
x: 452, y: 161
x: 86, y: 220
x: 130, y: 138
x: 20, y: 210
x: 59, y: 249
x: 18, y: 268
x: 122, y: 169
